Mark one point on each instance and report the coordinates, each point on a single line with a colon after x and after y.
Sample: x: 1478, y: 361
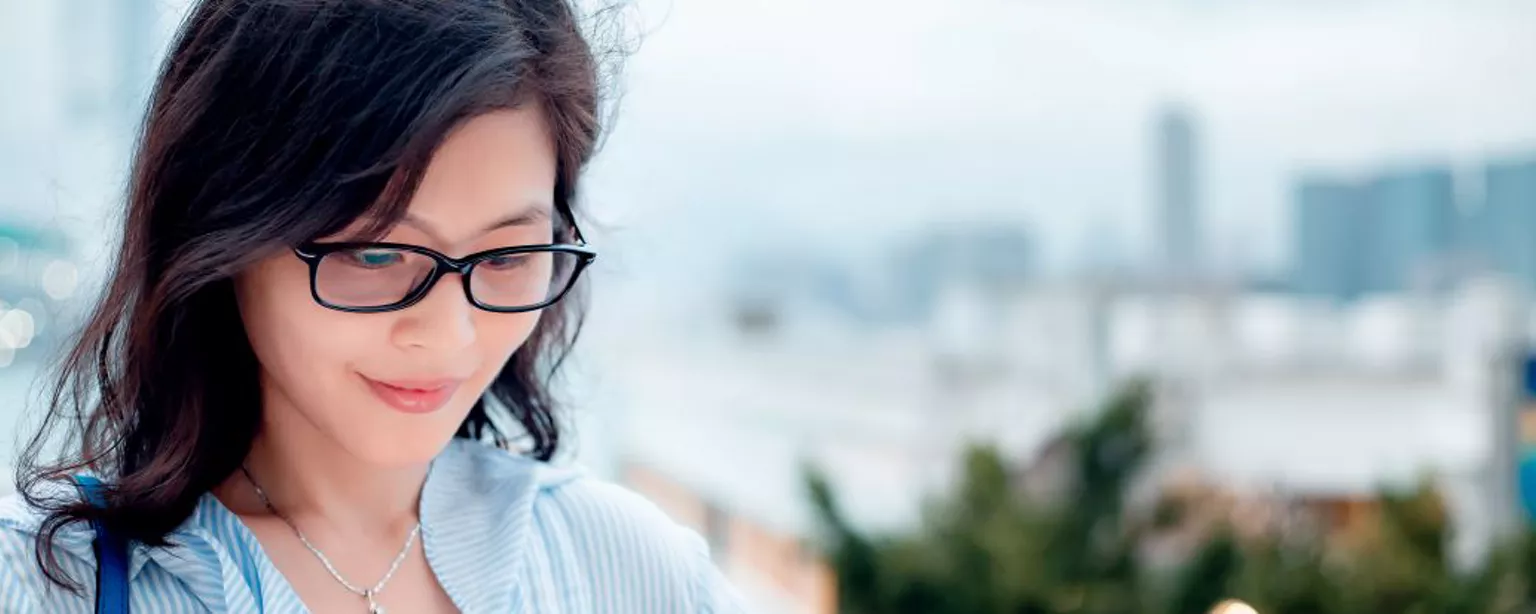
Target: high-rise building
x: 1409, y: 228
x: 1382, y: 235
x: 1328, y: 254
x: 1503, y: 228
x: 994, y: 260
x: 1178, y: 204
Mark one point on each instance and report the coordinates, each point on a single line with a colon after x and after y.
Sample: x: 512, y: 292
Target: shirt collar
x: 476, y: 517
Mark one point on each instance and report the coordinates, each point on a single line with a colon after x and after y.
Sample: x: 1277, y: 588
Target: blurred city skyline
x: 883, y: 119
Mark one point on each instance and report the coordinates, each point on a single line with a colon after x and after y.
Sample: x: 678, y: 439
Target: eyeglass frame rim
x: 312, y: 252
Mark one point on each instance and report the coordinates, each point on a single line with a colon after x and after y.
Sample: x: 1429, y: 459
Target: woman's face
x: 393, y: 387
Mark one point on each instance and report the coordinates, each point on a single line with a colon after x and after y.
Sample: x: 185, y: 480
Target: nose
x: 442, y: 321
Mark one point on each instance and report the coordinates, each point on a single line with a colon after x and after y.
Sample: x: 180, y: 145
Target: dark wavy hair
x: 272, y: 123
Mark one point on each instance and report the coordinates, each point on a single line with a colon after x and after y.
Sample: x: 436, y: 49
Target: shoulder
x: 23, y: 587
x: 633, y: 553
x: 625, y: 550
x: 602, y: 514
x: 592, y: 513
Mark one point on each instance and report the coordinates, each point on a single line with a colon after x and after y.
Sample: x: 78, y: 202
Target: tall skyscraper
x: 1384, y: 234
x: 1328, y: 254
x: 1177, y: 181
x: 1504, y: 230
x: 1409, y: 229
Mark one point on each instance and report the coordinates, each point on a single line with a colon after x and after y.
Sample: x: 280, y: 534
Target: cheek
x: 290, y: 334
x: 500, y: 335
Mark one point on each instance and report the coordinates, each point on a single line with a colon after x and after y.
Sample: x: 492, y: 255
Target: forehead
x: 494, y: 165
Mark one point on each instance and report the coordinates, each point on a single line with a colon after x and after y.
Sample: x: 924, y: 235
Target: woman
x: 350, y: 228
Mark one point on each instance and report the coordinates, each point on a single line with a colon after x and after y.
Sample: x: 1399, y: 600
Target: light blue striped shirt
x: 502, y: 533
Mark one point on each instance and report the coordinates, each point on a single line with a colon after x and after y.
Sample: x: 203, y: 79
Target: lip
x: 414, y: 396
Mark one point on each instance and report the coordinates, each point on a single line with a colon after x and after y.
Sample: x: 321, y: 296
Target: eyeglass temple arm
x: 576, y: 233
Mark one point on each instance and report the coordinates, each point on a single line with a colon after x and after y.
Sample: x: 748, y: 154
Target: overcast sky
x: 749, y: 122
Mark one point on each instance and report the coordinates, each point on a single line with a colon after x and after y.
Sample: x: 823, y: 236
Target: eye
x: 372, y: 258
x: 505, y: 262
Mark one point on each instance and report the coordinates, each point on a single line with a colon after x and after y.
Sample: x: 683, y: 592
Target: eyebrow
x: 534, y: 213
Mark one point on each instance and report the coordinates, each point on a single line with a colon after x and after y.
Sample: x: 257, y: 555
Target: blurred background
x: 996, y: 305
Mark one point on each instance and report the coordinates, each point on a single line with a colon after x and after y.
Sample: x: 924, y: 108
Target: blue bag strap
x: 111, y: 555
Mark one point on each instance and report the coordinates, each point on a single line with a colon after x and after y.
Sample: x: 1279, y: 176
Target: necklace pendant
x: 373, y: 606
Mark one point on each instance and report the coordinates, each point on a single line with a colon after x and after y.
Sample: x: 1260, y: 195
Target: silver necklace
x: 370, y: 594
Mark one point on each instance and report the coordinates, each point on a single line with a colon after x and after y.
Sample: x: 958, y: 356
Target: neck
x: 312, y: 480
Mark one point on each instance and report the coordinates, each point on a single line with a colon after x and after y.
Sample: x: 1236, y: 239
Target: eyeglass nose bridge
x: 445, y: 264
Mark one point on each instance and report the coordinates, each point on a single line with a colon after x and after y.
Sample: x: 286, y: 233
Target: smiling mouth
x: 413, y: 396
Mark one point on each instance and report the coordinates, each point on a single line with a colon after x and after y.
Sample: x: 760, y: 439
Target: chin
x: 401, y: 448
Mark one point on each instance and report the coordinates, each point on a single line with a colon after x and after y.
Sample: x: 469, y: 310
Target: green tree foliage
x: 985, y: 549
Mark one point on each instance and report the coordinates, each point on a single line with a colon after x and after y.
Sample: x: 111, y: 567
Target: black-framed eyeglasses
x: 377, y: 277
